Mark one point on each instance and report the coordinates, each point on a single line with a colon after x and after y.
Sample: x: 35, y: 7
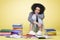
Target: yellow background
x: 17, y: 11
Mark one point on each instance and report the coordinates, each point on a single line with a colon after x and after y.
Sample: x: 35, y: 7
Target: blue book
x: 49, y: 30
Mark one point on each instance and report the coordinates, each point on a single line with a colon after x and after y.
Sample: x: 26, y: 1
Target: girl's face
x: 37, y: 10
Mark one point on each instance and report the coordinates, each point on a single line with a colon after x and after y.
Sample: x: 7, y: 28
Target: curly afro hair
x: 38, y: 5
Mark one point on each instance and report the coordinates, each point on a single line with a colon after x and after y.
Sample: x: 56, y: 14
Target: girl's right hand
x: 35, y: 22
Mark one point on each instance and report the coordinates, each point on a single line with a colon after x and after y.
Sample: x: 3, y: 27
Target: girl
x: 36, y: 18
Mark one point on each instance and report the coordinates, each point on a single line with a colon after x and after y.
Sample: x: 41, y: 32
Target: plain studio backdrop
x: 17, y: 11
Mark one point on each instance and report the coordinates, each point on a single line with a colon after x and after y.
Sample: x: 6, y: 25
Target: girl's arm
x: 30, y: 18
x: 41, y: 16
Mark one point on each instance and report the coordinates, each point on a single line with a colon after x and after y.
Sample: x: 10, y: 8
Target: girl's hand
x: 35, y: 22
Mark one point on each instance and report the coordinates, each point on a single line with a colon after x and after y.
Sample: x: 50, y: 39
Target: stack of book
x: 5, y: 32
x: 17, y: 29
x: 51, y: 32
